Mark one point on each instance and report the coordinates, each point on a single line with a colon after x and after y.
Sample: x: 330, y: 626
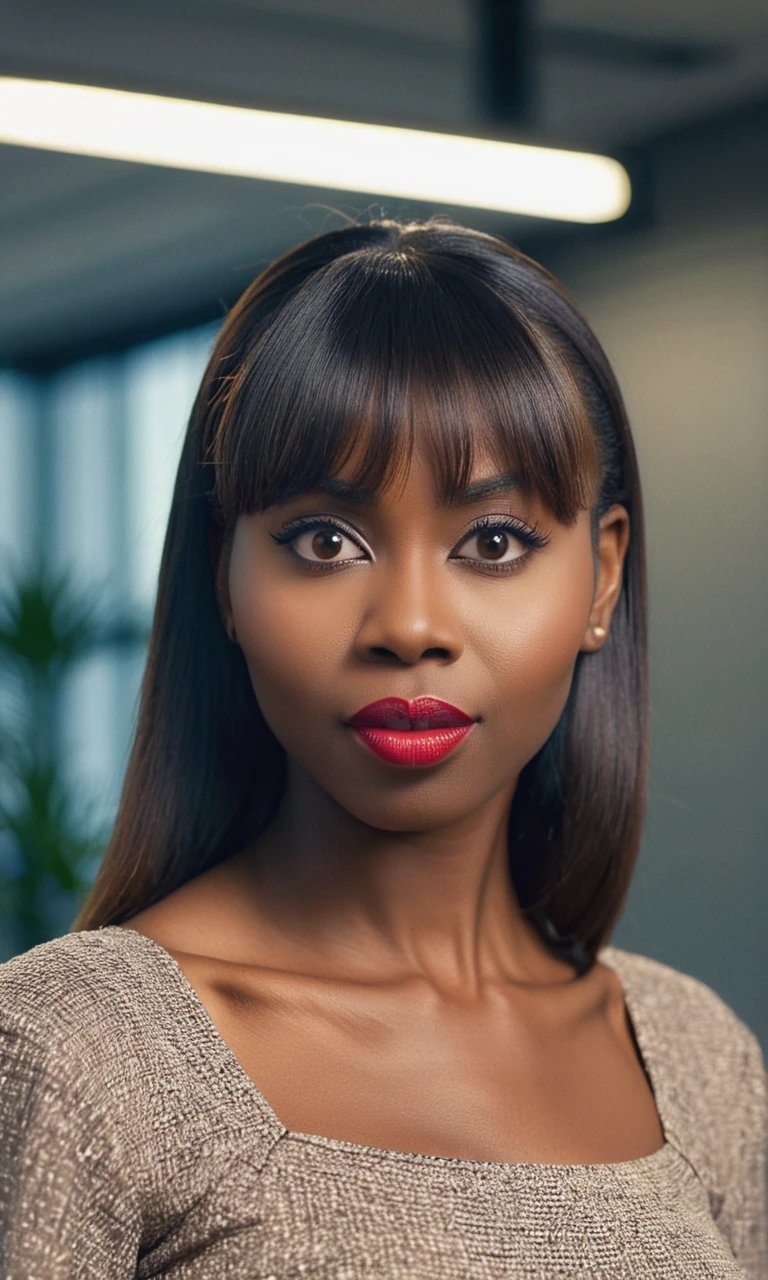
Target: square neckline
x: 236, y: 1070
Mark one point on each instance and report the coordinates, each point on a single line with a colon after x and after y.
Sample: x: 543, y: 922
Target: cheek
x: 291, y: 650
x: 533, y: 641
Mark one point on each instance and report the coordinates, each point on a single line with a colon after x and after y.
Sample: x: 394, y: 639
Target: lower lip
x: 413, y: 747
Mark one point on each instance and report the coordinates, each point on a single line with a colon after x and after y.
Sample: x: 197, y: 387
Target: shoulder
x: 104, y: 1050
x: 67, y: 1030
x: 57, y: 986
x: 707, y: 1069
x: 682, y: 1011
x: 58, y: 1115
x: 112, y: 1009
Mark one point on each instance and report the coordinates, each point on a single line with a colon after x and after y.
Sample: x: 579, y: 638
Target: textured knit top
x: 133, y: 1144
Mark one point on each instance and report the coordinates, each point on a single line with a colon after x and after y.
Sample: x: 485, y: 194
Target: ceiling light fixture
x: 510, y: 177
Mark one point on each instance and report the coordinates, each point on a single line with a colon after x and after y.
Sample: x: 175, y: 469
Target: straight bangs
x: 380, y: 352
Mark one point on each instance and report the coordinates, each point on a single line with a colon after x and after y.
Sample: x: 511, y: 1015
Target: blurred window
x: 88, y: 458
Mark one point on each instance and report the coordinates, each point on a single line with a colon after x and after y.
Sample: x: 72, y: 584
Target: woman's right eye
x: 327, y: 544
x: 324, y: 544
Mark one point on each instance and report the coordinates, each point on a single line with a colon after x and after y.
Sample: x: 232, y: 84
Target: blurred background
x: 115, y: 276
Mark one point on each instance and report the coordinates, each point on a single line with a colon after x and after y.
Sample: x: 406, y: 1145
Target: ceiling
x: 96, y: 252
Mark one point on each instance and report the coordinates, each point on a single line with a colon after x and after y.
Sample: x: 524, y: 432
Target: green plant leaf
x: 46, y: 625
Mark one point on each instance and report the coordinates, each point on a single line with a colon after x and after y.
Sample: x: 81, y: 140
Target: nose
x: 408, y: 615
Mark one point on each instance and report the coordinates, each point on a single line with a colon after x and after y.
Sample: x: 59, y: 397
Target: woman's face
x: 406, y: 598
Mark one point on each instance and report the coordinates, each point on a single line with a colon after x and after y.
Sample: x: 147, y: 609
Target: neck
x: 437, y: 903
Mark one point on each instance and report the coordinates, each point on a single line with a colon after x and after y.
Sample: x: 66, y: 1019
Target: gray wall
x: 682, y: 311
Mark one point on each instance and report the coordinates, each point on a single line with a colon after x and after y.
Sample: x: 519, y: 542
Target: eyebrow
x: 474, y: 492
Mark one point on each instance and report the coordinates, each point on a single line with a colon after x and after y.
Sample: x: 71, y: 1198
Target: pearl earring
x: 599, y: 632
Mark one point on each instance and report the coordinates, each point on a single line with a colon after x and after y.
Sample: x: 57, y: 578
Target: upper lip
x: 399, y: 713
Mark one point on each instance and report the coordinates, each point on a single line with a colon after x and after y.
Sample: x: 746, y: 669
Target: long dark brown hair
x: 349, y: 340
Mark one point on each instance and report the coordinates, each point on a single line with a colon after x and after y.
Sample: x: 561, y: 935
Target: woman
x: 341, y: 1001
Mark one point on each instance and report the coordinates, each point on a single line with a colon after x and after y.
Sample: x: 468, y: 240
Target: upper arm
x: 67, y: 1208
x: 742, y: 1210
x: 710, y: 1079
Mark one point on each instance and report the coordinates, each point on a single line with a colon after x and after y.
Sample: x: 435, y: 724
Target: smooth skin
x: 365, y: 958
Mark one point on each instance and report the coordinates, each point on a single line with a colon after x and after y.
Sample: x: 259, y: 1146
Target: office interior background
x: 115, y: 276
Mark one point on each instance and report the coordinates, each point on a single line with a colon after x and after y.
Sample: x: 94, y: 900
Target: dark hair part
x: 329, y: 358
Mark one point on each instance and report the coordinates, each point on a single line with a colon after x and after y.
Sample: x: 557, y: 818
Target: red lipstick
x: 420, y: 732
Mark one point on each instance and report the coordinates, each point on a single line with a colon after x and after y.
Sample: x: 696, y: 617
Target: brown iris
x: 496, y: 540
x: 326, y: 543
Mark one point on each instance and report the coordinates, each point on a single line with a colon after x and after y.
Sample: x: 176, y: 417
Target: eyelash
x: 530, y: 535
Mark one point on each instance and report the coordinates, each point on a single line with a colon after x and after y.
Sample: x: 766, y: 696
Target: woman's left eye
x: 494, y: 544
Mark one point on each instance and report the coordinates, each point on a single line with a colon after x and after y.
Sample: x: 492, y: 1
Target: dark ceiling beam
x: 506, y: 63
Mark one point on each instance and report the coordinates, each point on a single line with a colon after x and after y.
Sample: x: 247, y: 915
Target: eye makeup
x: 530, y: 536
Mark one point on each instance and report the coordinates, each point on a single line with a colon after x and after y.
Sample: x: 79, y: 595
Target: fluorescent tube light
x: 481, y: 173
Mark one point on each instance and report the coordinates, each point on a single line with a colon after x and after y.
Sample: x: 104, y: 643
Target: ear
x: 612, y: 543
x: 220, y: 548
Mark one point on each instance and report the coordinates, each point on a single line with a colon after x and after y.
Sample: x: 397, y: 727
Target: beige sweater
x: 132, y: 1144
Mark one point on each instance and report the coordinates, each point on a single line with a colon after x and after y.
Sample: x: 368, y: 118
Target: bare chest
x: 401, y: 1070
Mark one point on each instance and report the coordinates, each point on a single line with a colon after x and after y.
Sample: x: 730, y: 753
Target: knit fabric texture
x: 133, y: 1144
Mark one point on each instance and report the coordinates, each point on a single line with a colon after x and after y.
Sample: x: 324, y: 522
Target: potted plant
x: 49, y: 838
